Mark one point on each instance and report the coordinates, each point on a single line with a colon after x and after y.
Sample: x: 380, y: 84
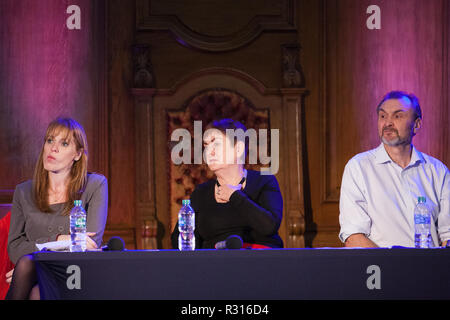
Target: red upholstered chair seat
x: 247, y: 245
x: 5, y: 264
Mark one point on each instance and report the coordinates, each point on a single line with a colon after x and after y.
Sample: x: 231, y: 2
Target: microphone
x: 114, y: 244
x: 232, y: 242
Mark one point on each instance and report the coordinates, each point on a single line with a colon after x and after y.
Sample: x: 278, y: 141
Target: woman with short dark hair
x: 238, y: 202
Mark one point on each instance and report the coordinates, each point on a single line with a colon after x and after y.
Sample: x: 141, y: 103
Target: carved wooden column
x: 144, y: 135
x: 292, y: 95
x: 293, y: 140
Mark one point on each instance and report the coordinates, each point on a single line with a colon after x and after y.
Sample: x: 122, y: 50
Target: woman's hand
x: 9, y: 276
x: 224, y: 192
x: 90, y: 244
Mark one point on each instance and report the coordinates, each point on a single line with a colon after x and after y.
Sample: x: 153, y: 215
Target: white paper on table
x: 62, y: 245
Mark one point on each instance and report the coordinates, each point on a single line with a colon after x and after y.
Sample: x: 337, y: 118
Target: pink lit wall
x: 46, y: 70
x: 409, y: 52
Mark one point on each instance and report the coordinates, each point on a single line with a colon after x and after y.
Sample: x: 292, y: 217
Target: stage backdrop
x: 312, y: 69
x: 348, y: 69
x: 48, y: 70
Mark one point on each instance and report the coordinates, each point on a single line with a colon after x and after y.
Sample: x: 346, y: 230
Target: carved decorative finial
x: 296, y: 229
x: 149, y: 231
x: 143, y: 70
x: 296, y: 225
x: 292, y: 71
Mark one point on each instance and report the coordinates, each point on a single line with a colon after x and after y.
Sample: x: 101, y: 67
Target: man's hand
x: 359, y: 240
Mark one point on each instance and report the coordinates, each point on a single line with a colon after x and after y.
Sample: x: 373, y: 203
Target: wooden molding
x: 145, y: 191
x: 293, y: 146
x: 6, y: 196
x: 102, y: 154
x: 258, y: 85
x: 146, y: 20
x: 329, y: 193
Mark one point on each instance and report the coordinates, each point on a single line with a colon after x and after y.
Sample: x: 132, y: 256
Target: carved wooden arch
x: 152, y: 181
x: 280, y: 16
x: 239, y: 75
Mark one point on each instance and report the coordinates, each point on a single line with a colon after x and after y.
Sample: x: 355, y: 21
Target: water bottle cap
x: 77, y: 203
x: 421, y: 199
x: 186, y: 202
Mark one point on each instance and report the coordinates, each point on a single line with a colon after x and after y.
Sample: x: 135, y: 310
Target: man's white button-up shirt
x: 378, y: 197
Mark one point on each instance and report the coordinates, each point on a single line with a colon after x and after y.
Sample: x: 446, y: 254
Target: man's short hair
x: 400, y: 95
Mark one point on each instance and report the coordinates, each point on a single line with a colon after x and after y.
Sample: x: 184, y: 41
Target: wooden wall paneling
x: 293, y: 161
x: 161, y: 169
x: 359, y: 66
x: 173, y: 60
x: 329, y: 194
x: 317, y: 25
x: 310, y: 37
x: 326, y: 218
x: 100, y: 46
x: 406, y: 54
x: 121, y: 112
x: 445, y: 143
x: 192, y: 24
x: 145, y: 178
x: 431, y: 61
x: 47, y: 71
x: 4, y: 209
x: 35, y: 86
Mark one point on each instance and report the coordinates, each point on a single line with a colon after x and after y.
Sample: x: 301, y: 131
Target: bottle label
x: 80, y: 222
x: 420, y: 219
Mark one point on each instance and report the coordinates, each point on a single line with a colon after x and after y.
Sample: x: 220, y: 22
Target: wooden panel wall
x: 120, y: 38
x: 47, y: 71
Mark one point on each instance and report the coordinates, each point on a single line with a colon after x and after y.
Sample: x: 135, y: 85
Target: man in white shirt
x: 380, y: 187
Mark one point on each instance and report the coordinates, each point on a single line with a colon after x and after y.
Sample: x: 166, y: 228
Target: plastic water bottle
x: 186, y: 227
x: 422, y: 224
x: 77, y: 227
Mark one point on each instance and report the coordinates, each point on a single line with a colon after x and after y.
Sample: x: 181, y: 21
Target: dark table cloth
x: 399, y: 273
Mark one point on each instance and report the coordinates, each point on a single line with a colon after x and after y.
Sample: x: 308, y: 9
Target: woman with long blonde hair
x: 41, y: 207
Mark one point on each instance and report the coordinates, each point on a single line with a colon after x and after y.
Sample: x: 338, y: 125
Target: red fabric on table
x: 246, y: 245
